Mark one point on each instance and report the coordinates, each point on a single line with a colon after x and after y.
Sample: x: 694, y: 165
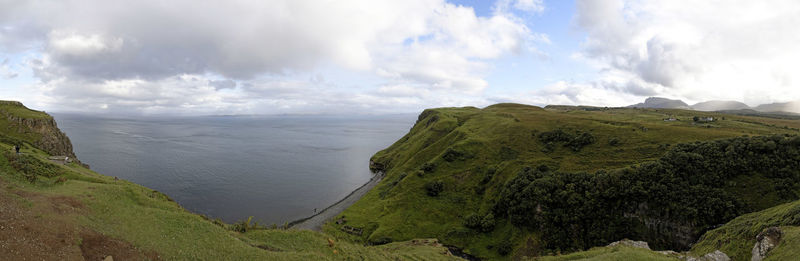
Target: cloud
x: 740, y: 50
x: 531, y: 6
x: 116, y: 50
x: 6, y: 72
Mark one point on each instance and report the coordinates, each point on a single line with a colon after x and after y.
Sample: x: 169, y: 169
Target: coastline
x: 315, y: 222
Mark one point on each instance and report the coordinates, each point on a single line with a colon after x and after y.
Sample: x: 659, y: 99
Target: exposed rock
x: 628, y: 242
x: 766, y: 241
x: 713, y: 256
x: 376, y: 167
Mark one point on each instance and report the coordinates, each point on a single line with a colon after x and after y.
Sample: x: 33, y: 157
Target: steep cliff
x: 22, y: 125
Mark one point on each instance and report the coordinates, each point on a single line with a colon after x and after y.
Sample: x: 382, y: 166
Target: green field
x: 467, y: 156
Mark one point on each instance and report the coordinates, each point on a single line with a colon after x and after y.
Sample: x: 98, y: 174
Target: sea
x: 274, y: 168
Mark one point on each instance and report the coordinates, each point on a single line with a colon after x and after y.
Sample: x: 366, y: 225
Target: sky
x: 373, y: 56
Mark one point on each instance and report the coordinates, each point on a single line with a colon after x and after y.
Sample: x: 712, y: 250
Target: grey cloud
x: 223, y: 84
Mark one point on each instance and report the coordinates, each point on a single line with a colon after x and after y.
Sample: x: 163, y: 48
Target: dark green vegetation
x: 68, y: 212
x: 691, y: 188
x: 736, y: 239
x: 566, y: 178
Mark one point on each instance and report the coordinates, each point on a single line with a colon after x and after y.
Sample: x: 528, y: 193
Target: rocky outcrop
x: 376, y: 167
x: 628, y: 242
x: 766, y: 241
x: 713, y: 256
x: 48, y: 137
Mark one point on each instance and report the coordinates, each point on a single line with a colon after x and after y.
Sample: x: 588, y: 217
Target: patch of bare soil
x: 96, y: 246
x: 40, y: 227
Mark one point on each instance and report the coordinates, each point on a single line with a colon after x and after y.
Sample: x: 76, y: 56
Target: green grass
x: 611, y: 254
x: 20, y: 111
x: 503, y: 136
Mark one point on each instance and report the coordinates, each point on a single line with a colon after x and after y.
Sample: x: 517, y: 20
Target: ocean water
x: 274, y: 168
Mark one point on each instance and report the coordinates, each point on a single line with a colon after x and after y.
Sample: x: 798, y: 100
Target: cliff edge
x: 22, y: 125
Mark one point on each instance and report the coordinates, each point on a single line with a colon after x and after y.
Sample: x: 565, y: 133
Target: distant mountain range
x: 664, y: 103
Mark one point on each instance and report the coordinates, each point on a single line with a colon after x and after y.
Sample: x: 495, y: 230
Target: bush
x: 504, y: 248
x: 488, y: 175
x: 434, y: 188
x: 575, y: 142
x: 613, y: 142
x: 580, y: 141
x: 451, y: 155
x: 487, y: 223
x: 242, y: 226
x: 428, y: 167
x: 507, y: 153
x: 472, y: 221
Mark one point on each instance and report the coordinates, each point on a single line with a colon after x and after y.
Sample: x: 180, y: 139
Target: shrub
x: 472, y: 221
x: 575, y: 142
x: 428, y: 167
x: 507, y: 153
x: 504, y: 248
x: 451, y: 155
x: 487, y: 223
x: 434, y: 188
x: 580, y: 141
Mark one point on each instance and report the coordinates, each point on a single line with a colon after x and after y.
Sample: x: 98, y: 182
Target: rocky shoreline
x: 315, y: 222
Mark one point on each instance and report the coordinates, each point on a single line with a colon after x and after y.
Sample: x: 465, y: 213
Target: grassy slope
x: 737, y: 237
x: 153, y: 223
x: 503, y: 136
x: 9, y: 132
x: 611, y: 254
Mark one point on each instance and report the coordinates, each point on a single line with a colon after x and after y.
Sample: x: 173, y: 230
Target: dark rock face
x: 376, y: 167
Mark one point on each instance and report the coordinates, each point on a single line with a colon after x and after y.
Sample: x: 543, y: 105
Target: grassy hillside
x: 10, y: 131
x: 445, y: 178
x: 54, y: 211
x: 737, y: 237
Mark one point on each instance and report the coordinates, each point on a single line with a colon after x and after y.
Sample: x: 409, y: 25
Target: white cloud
x: 119, y: 51
x: 6, y: 70
x: 531, y: 6
x: 695, y: 50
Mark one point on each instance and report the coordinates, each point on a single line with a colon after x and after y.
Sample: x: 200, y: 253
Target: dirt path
x: 315, y: 222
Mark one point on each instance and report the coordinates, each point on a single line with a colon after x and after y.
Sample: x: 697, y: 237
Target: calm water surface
x: 275, y: 168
